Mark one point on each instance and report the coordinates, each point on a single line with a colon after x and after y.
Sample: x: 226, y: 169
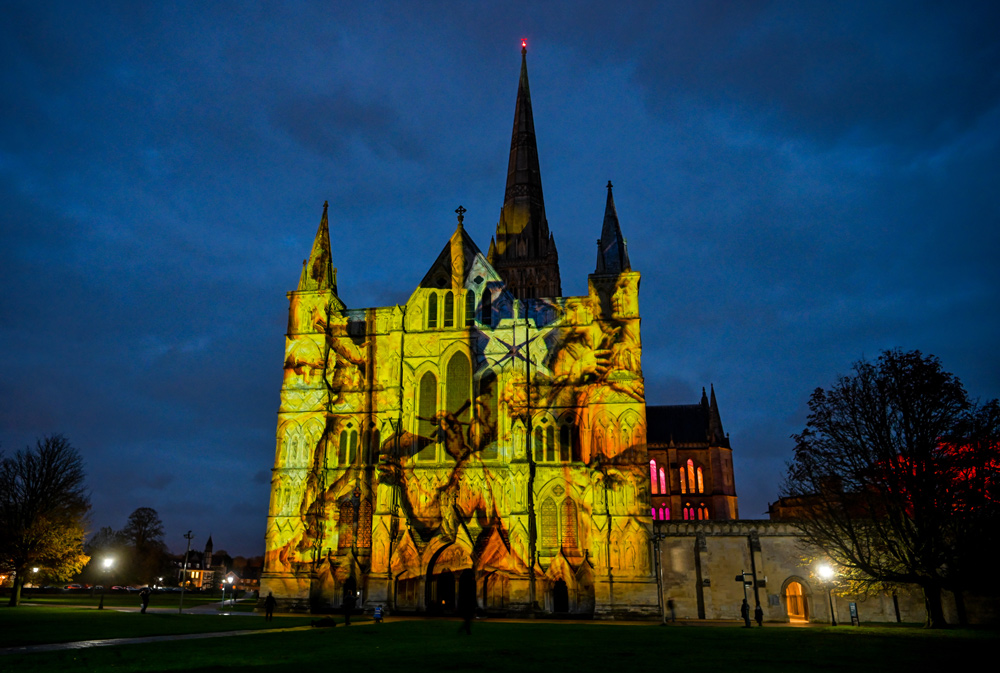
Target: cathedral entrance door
x: 560, y: 597
x: 445, y: 594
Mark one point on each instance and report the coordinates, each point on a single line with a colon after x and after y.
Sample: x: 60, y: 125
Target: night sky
x: 801, y: 185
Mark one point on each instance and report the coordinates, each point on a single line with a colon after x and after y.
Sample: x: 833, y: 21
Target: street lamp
x: 229, y: 581
x: 107, y: 563
x: 826, y: 573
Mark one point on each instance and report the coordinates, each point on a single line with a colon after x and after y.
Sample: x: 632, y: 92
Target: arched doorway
x: 560, y: 597
x: 796, y: 603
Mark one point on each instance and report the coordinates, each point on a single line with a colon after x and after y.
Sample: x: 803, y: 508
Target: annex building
x: 488, y: 435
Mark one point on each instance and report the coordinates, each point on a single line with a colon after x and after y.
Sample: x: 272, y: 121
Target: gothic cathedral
x: 487, y: 438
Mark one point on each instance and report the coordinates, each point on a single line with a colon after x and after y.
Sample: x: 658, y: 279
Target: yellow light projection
x: 465, y: 441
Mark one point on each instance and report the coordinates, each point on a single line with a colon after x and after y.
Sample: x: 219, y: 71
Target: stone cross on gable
x: 461, y: 214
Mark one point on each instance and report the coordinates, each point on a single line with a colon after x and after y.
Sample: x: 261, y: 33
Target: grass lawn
x: 436, y: 645
x: 33, y: 625
x: 170, y: 600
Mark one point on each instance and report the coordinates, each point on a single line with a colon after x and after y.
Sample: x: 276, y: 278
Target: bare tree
x: 43, y: 510
x: 892, y: 460
x: 143, y: 528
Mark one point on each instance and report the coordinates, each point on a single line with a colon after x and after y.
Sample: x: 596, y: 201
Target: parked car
x: 73, y: 586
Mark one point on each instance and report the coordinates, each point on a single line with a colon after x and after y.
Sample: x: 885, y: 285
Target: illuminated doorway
x: 795, y: 603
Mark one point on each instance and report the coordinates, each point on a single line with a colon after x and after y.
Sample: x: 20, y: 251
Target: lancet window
x: 432, y: 311
x: 470, y: 308
x: 426, y: 409
x: 348, y: 449
x: 449, y: 309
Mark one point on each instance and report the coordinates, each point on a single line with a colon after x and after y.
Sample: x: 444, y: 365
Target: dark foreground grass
x: 120, y: 600
x: 433, y: 645
x: 31, y: 625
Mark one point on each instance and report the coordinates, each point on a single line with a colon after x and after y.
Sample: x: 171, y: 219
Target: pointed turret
x: 318, y: 273
x: 715, y: 431
x: 525, y: 253
x: 612, y: 255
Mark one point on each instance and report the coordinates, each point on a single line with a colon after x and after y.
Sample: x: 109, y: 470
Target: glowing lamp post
x: 106, y: 563
x: 229, y: 581
x: 826, y: 573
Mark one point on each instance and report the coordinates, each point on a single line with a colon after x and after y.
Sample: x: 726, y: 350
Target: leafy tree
x: 43, y: 510
x: 897, y: 473
x: 143, y: 528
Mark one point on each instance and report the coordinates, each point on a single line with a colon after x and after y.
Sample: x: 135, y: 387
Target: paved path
x: 107, y: 642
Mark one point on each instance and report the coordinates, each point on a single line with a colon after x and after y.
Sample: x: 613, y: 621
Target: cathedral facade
x: 487, y: 437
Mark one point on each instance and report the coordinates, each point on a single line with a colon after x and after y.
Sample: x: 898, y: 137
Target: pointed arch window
x: 652, y: 478
x: 470, y: 308
x: 458, y: 387
x: 663, y: 481
x: 702, y: 512
x: 432, y: 311
x: 690, y: 476
x: 550, y: 527
x: 346, y: 525
x: 683, y: 479
x: 701, y: 482
x: 374, y: 447
x: 539, y: 445
x: 569, y: 523
x: 426, y: 409
x: 664, y: 513
x: 550, y: 444
x: 348, y: 446
x: 449, y: 309
x: 365, y: 525
x: 487, y: 316
x: 689, y: 514
x: 486, y: 415
x: 568, y: 449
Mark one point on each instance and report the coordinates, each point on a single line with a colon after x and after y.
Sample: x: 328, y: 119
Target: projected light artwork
x: 487, y: 436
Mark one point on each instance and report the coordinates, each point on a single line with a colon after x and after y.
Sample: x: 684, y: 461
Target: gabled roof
x: 459, y: 264
x: 681, y: 424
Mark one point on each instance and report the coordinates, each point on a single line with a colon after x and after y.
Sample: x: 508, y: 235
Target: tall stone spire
x: 612, y: 254
x: 318, y: 273
x: 525, y: 251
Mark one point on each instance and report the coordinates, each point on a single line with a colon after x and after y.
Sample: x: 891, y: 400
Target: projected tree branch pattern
x: 416, y: 442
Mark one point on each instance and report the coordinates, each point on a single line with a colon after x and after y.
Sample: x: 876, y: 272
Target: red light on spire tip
x: 524, y: 43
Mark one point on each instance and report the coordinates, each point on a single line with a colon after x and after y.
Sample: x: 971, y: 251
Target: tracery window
x: 703, y: 511
x: 432, y: 311
x: 365, y: 525
x: 346, y: 525
x: 550, y: 526
x: 550, y: 444
x: 689, y: 514
x: 449, y: 309
x: 664, y: 513
x: 569, y: 524
x: 486, y: 416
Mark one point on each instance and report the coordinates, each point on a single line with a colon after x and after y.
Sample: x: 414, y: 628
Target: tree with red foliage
x: 898, y: 474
